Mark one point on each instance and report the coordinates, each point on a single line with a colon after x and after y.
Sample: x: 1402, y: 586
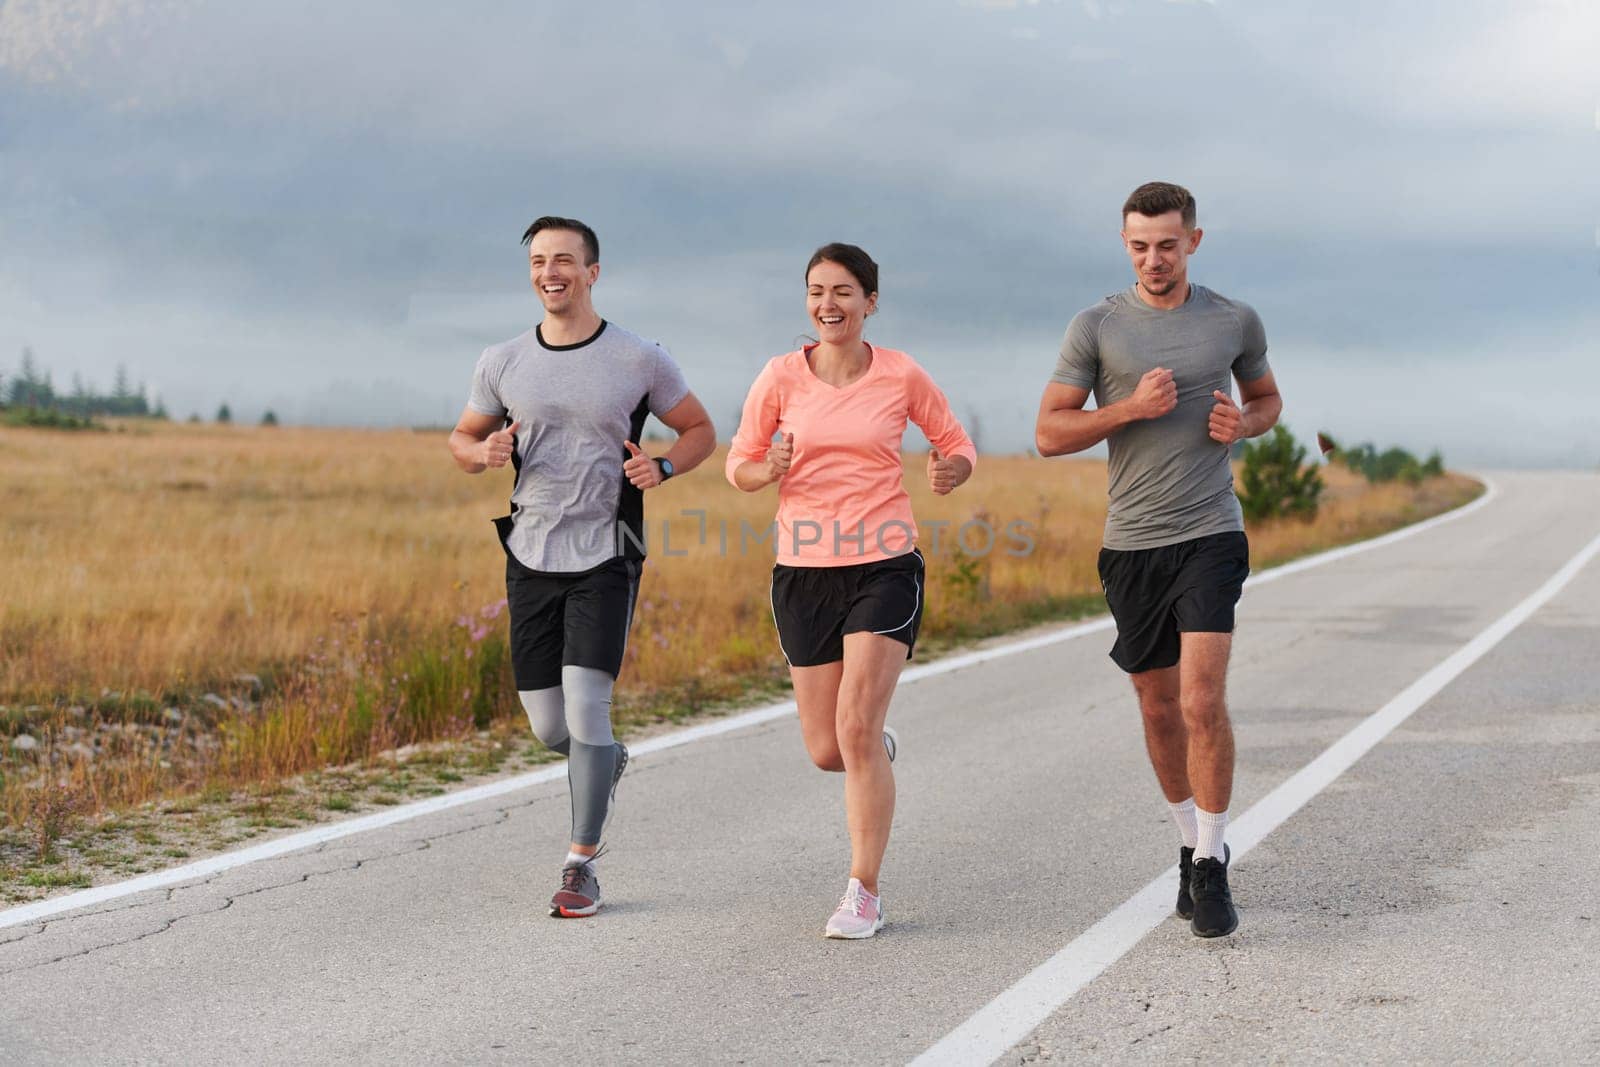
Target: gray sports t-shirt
x: 577, y: 405
x: 1169, y: 481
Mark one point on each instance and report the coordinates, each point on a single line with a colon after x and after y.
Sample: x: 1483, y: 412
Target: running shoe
x: 1214, y: 914
x: 891, y: 742
x: 860, y: 914
x: 1185, y: 869
x: 579, y: 895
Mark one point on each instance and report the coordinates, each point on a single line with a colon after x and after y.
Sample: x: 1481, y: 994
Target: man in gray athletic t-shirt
x: 1157, y: 358
x: 564, y: 404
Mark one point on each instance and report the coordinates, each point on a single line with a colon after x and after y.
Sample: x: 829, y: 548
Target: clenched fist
x: 640, y: 470
x: 1227, y: 421
x: 1156, y: 394
x: 498, y: 446
x: 941, y: 473
x: 780, y: 456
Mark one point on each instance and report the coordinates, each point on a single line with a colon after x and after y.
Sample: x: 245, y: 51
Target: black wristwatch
x: 664, y: 465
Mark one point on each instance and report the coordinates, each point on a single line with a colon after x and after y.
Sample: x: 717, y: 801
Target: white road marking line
x: 189, y: 872
x: 1019, y: 1010
x: 1491, y: 490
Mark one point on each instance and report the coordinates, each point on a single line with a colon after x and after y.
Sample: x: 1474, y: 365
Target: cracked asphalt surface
x: 1436, y: 902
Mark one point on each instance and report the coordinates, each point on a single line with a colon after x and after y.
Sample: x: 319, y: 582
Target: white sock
x: 1183, y: 815
x: 577, y: 857
x: 1212, y: 826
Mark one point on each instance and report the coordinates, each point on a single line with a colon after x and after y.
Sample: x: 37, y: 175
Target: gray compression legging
x: 574, y: 718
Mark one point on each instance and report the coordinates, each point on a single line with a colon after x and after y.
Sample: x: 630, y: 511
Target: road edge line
x: 1016, y: 1012
x: 223, y: 861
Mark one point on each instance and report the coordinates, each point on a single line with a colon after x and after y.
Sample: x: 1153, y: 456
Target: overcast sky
x: 316, y: 208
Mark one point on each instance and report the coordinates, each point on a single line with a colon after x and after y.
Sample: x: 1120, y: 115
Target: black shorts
x: 1157, y: 593
x: 579, y: 620
x: 815, y: 607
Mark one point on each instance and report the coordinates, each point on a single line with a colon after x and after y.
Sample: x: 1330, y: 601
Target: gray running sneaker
x: 891, y: 742
x: 579, y: 895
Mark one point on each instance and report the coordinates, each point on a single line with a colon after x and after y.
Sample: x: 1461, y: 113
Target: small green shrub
x: 1276, y: 480
x: 1390, y: 465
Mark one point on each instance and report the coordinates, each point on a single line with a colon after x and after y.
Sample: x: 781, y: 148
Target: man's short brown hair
x: 591, y: 243
x: 1158, y: 198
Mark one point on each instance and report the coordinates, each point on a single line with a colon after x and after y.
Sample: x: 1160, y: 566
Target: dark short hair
x: 1158, y: 198
x: 852, y: 258
x: 591, y: 243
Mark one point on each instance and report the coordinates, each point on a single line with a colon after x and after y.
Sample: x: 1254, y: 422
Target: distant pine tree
x: 269, y: 419
x: 33, y: 388
x: 28, y: 388
x: 224, y: 415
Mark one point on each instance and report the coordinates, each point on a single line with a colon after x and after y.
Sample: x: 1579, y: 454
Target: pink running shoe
x: 860, y: 914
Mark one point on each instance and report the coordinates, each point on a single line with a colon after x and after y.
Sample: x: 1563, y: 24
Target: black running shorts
x: 815, y: 607
x: 579, y: 620
x: 1155, y: 594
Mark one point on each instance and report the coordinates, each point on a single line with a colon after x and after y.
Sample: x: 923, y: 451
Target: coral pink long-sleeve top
x: 844, y: 500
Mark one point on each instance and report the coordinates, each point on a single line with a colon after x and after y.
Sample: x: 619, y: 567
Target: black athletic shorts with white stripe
x: 579, y: 620
x: 815, y: 607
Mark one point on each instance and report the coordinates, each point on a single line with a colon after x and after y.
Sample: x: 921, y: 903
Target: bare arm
x: 1063, y: 427
x: 481, y: 441
x: 1262, y: 406
x: 697, y: 437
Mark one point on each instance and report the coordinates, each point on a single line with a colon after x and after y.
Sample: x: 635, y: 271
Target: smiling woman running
x: 847, y: 587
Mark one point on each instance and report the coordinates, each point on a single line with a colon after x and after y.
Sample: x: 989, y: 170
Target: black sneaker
x: 1185, y: 868
x: 1214, y: 914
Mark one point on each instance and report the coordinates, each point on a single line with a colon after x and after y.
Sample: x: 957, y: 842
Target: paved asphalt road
x: 1439, y: 900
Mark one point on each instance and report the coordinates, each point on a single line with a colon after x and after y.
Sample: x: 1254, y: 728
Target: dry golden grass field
x: 185, y: 608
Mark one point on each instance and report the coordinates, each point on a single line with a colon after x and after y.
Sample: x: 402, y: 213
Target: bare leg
x: 1203, y: 667
x: 816, y: 694
x: 1165, y: 736
x: 872, y: 665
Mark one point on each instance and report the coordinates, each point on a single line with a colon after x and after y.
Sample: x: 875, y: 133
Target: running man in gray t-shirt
x: 1158, y: 358
x: 564, y: 404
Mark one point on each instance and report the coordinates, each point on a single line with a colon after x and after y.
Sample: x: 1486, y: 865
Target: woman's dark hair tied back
x: 852, y: 258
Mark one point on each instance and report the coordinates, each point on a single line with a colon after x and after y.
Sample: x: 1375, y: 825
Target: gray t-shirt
x: 577, y: 405
x: 1169, y: 481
